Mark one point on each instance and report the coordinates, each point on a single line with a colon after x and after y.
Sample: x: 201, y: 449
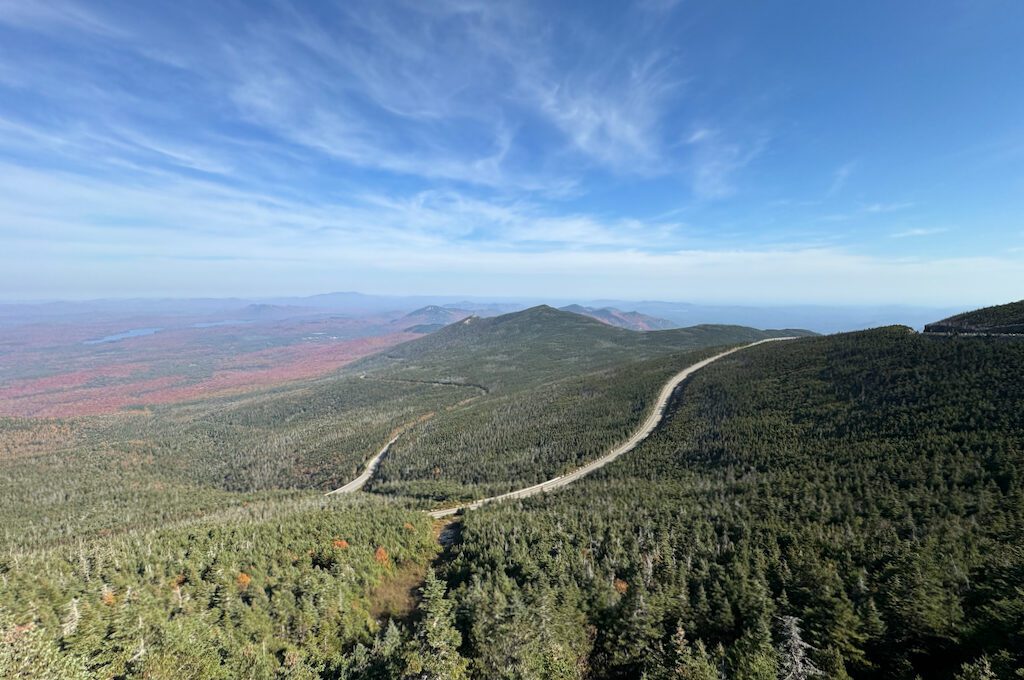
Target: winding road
x: 359, y: 482
x: 653, y: 420
x: 645, y: 429
x: 371, y: 467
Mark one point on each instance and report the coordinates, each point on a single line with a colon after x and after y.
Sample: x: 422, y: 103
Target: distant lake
x: 133, y: 333
x: 139, y: 332
x: 214, y: 324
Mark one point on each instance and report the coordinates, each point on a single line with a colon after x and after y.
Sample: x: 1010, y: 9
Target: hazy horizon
x: 451, y: 298
x: 353, y: 304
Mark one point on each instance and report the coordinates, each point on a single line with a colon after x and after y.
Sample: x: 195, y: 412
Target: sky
x: 717, y: 151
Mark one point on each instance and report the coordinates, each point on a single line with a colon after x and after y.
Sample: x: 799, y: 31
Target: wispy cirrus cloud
x: 919, y: 232
x: 508, y: 133
x: 716, y: 160
x: 840, y: 177
x: 508, y: 100
x: 876, y: 208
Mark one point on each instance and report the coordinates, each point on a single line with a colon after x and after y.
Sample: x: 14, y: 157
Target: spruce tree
x: 434, y: 652
x: 794, y: 664
x: 980, y: 669
x: 691, y: 663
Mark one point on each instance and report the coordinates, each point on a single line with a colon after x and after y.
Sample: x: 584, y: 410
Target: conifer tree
x: 980, y: 669
x: 434, y: 652
x: 691, y: 663
x: 794, y: 664
x: 26, y: 652
x: 752, y: 656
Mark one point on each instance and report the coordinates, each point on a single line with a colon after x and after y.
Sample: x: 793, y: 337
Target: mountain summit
x: 540, y: 341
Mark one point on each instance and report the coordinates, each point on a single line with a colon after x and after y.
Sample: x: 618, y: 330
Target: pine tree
x: 980, y: 669
x: 183, y: 649
x: 691, y: 663
x: 752, y: 656
x: 434, y: 652
x: 386, y: 655
x: 832, y: 664
x: 794, y: 664
x: 27, y: 652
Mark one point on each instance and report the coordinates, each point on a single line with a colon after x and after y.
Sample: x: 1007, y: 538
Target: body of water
x: 214, y: 324
x: 133, y: 333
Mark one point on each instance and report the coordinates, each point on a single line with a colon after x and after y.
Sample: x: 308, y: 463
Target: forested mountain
x: 431, y: 318
x: 538, y: 344
x: 1000, y: 319
x: 158, y: 461
x: 553, y: 390
x: 862, y: 494
x: 852, y: 503
x: 634, y: 321
x: 192, y: 540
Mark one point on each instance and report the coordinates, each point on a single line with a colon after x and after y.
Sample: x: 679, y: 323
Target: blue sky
x: 782, y: 152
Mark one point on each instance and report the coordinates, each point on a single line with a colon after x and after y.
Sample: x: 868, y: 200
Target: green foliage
x: 866, y: 490
x: 514, y: 438
x: 274, y: 594
x: 558, y: 389
x: 870, y: 485
x: 976, y: 670
x: 434, y: 650
x: 64, y: 481
x: 122, y: 473
x: 691, y: 662
x: 1008, y: 318
x: 26, y: 652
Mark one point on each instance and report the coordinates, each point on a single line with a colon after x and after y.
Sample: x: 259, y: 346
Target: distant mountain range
x: 431, y: 318
x: 540, y: 340
x: 634, y: 321
x: 434, y: 317
x: 650, y: 313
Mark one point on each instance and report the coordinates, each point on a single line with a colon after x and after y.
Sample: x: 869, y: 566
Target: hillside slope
x: 1000, y: 319
x: 634, y: 321
x: 140, y: 469
x: 870, y: 485
x: 560, y: 388
x: 193, y: 540
x: 430, y: 318
x: 539, y: 344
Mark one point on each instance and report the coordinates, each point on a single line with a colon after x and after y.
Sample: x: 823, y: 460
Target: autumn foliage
x: 243, y: 580
x: 340, y: 543
x: 381, y: 555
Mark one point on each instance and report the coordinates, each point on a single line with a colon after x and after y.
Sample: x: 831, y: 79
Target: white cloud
x: 875, y: 208
x: 840, y: 177
x: 199, y: 237
x: 56, y: 16
x: 918, y: 232
x: 387, y: 144
x: 716, y: 160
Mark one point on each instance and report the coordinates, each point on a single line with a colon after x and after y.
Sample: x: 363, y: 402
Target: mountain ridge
x: 1006, y: 319
x: 612, y: 316
x: 542, y: 341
